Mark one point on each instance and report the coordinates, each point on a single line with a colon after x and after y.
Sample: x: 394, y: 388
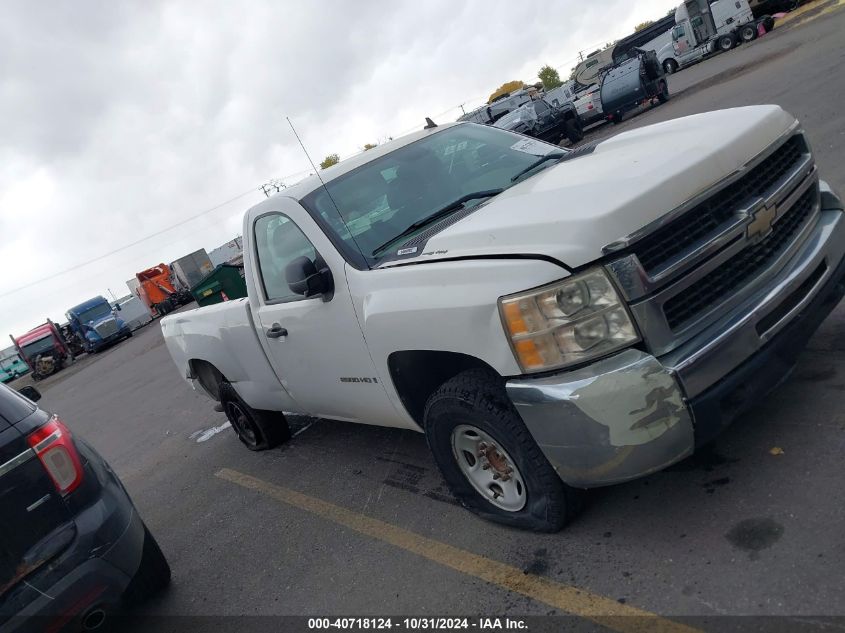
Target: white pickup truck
x: 552, y: 320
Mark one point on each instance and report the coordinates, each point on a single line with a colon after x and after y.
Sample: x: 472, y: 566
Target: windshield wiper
x: 538, y: 162
x: 450, y: 208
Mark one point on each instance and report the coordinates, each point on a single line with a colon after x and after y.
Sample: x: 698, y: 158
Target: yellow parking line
x: 798, y: 14
x: 605, y: 611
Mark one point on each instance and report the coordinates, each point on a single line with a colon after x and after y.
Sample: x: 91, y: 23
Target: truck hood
x: 570, y: 211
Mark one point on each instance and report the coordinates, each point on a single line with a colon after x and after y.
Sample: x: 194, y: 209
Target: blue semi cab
x: 96, y: 324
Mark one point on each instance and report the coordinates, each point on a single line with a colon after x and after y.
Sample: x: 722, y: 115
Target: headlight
x: 567, y: 322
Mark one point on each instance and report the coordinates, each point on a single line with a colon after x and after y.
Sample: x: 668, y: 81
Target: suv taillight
x: 53, y: 444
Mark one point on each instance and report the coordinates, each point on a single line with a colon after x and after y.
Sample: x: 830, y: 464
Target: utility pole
x: 274, y: 185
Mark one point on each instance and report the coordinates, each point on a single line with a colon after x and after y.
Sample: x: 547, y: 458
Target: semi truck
x: 43, y: 349
x: 551, y: 320
x: 96, y: 324
x: 703, y: 27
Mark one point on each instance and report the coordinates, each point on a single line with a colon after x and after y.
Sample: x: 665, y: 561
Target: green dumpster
x: 224, y: 282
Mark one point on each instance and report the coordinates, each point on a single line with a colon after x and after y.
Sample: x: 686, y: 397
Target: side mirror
x: 304, y: 279
x: 30, y: 392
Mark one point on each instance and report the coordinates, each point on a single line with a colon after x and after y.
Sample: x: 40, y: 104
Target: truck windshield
x: 38, y: 347
x: 95, y: 313
x: 373, y: 204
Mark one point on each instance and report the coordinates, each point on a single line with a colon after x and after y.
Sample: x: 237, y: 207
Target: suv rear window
x: 13, y: 406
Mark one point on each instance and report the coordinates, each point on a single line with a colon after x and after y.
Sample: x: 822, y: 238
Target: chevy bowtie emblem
x: 761, y: 224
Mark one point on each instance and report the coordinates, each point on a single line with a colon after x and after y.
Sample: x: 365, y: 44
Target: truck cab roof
x: 87, y: 305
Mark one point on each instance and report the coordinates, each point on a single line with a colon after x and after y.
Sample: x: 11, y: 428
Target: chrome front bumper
x: 633, y: 413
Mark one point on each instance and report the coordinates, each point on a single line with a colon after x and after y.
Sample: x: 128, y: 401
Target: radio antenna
x: 326, y: 189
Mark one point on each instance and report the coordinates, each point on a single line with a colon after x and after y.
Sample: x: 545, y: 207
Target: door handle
x: 276, y: 331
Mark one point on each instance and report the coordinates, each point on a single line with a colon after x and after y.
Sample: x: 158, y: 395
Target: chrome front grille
x: 660, y: 247
x: 106, y: 328
x: 737, y: 271
x: 706, y: 258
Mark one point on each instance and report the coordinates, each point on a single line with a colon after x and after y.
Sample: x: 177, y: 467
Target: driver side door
x: 314, y: 343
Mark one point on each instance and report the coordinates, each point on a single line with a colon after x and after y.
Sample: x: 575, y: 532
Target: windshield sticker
x: 451, y: 149
x: 406, y: 251
x: 532, y: 146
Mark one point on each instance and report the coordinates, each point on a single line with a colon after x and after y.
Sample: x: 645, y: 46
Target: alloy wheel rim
x: 488, y: 468
x: 237, y: 416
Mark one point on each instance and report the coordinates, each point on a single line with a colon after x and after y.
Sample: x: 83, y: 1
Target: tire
x: 573, y: 131
x: 747, y: 33
x: 258, y: 430
x: 153, y: 573
x: 663, y: 96
x: 670, y: 66
x: 768, y: 23
x: 726, y: 42
x: 617, y: 118
x: 474, y: 402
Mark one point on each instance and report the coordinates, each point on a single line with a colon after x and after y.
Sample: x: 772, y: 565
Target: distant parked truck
x: 189, y: 270
x: 703, y: 27
x: 11, y: 365
x: 96, y: 324
x: 157, y: 291
x: 43, y: 349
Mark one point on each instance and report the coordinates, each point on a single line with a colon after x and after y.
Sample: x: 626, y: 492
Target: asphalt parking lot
x: 355, y: 520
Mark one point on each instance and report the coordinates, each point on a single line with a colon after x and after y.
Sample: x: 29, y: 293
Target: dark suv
x: 72, y: 546
x: 540, y: 119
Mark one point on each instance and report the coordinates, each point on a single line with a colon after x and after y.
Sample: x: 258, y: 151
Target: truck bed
x: 225, y: 336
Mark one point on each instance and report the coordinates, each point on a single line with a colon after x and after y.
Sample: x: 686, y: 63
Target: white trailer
x: 225, y: 253
x: 133, y: 285
x: 191, y: 269
x: 133, y: 311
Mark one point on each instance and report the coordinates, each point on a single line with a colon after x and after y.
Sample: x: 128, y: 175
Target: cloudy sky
x: 122, y: 119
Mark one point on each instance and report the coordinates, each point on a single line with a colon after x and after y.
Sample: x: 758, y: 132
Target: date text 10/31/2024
x: 416, y: 624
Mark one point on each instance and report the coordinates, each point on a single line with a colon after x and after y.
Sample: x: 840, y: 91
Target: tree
x: 370, y: 146
x: 549, y: 77
x: 506, y: 88
x: 328, y: 161
x: 643, y: 25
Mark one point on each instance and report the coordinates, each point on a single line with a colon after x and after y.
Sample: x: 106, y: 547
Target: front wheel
x: 747, y: 33
x: 258, y: 430
x: 663, y: 95
x: 574, y: 130
x: 726, y: 42
x: 670, y: 66
x: 489, y: 458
